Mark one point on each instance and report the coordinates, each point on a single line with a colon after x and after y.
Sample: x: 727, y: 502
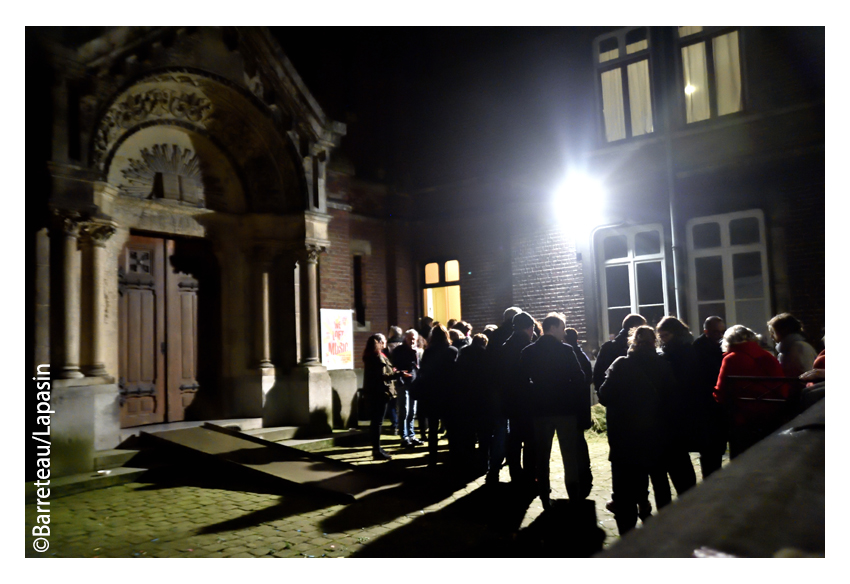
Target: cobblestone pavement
x: 183, y: 514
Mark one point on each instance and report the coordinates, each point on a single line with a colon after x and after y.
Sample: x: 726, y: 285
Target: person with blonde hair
x: 752, y: 419
x: 634, y: 391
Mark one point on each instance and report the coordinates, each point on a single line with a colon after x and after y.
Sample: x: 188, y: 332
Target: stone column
x: 262, y: 270
x: 69, y: 368
x: 310, y: 306
x: 93, y: 238
x: 42, y: 298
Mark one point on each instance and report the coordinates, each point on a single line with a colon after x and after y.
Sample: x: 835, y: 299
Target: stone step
x: 241, y: 424
x: 109, y: 459
x: 235, y: 453
x: 274, y: 434
x: 72, y: 484
x: 338, y: 438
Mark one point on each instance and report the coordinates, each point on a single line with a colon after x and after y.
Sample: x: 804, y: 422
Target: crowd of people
x: 501, y: 396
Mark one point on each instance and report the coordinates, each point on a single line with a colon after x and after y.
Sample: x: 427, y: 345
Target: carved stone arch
x: 178, y: 163
x: 272, y: 170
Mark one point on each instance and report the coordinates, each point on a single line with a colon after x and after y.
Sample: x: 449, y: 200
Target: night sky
x: 430, y: 106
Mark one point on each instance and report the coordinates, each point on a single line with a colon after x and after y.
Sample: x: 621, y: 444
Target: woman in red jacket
x: 751, y: 419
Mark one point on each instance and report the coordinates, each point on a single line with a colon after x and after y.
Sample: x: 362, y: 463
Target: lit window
x: 452, y: 271
x: 432, y: 273
x: 623, y: 70
x: 711, y: 72
x: 632, y: 275
x: 728, y: 269
x: 440, y: 301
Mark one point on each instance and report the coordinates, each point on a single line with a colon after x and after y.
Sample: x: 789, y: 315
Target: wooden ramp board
x: 280, y: 462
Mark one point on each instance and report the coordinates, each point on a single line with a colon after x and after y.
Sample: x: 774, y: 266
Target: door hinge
x: 162, y: 347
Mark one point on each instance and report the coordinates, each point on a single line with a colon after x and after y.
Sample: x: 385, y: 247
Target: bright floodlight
x: 578, y: 201
x: 689, y: 89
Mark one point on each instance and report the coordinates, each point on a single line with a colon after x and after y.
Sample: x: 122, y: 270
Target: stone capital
x: 311, y: 252
x: 96, y: 233
x: 68, y: 224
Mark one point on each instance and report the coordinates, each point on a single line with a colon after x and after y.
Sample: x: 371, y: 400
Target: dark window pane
x: 608, y: 50
x: 647, y: 242
x: 359, y: 306
x: 635, y: 36
x: 706, y: 235
x: 709, y: 278
x: 706, y: 310
x: 617, y: 282
x: 743, y: 231
x: 652, y: 314
x: 615, y: 320
x: 746, y: 271
x: 650, y: 289
x: 616, y: 247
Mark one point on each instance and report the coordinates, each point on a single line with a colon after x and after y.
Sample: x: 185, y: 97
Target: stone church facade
x: 178, y: 236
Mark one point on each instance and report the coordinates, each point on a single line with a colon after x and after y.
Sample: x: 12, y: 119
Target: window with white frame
x: 727, y: 256
x: 711, y: 72
x: 440, y: 296
x: 632, y: 274
x: 622, y: 61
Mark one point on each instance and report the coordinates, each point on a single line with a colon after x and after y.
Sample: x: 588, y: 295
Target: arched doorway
x: 169, y: 330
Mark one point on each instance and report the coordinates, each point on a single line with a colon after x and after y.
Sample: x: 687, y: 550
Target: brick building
x: 710, y: 138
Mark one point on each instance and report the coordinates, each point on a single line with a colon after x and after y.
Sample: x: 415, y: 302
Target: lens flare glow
x: 578, y: 202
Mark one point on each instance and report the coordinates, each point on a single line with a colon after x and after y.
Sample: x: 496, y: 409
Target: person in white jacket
x: 795, y: 355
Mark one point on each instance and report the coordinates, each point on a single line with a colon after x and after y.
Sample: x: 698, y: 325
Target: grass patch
x: 598, y: 422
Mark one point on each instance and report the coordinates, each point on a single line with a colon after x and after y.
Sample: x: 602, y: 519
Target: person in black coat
x: 710, y: 423
x: 468, y: 420
x: 677, y: 349
x: 609, y: 352
x: 434, y: 384
x: 378, y: 388
x: 571, y: 338
x: 405, y: 357
x: 494, y: 411
x: 633, y: 392
x: 617, y: 347
x: 558, y: 401
x: 520, y: 443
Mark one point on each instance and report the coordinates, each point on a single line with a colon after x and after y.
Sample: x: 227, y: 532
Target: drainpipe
x: 671, y: 187
x: 671, y: 195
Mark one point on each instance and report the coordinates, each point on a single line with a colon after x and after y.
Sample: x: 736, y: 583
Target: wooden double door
x: 158, y: 332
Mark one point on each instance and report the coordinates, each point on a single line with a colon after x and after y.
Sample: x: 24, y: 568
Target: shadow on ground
x: 486, y: 523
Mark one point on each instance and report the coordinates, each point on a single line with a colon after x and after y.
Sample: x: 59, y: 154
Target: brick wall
x: 482, y: 247
x: 335, y: 267
x: 805, y: 244
x: 401, y: 276
x: 547, y: 277
x: 374, y: 276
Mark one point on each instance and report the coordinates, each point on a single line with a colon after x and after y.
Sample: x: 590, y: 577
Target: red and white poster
x: 337, y: 339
